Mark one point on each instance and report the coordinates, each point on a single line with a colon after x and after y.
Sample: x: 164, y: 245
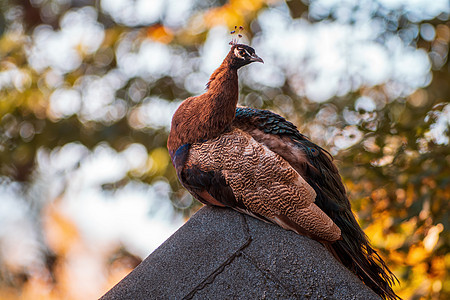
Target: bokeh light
x: 88, y: 88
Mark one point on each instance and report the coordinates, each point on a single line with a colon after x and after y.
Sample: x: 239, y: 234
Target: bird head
x: 241, y: 55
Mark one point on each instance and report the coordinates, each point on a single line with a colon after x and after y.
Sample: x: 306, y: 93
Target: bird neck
x: 209, y: 115
x: 223, y: 93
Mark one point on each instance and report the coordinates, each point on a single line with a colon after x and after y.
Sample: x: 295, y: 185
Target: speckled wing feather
x: 261, y: 182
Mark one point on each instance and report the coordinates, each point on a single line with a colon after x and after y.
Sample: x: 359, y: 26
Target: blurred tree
x: 108, y: 74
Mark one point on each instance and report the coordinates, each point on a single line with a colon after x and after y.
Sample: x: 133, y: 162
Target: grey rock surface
x: 222, y: 254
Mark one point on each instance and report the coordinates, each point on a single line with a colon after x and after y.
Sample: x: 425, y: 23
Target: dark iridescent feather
x: 354, y: 250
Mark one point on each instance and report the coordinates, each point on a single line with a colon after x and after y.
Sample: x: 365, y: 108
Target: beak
x: 255, y: 58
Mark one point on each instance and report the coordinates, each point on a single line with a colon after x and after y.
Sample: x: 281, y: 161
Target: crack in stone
x: 213, y: 275
x: 269, y: 275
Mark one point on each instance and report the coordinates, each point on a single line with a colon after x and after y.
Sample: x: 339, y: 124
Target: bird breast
x: 264, y: 183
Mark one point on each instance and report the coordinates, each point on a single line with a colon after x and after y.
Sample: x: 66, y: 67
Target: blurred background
x: 88, y: 88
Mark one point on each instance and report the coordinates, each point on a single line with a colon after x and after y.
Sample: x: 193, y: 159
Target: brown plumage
x: 256, y: 162
x: 263, y: 183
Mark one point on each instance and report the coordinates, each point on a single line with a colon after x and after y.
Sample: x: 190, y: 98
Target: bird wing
x: 311, y: 161
x: 236, y: 171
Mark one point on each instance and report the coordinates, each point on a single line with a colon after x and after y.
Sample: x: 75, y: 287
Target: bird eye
x: 240, y: 53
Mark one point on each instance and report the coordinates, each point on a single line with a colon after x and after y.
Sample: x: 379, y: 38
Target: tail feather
x: 369, y: 267
x: 365, y: 263
x: 354, y: 250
